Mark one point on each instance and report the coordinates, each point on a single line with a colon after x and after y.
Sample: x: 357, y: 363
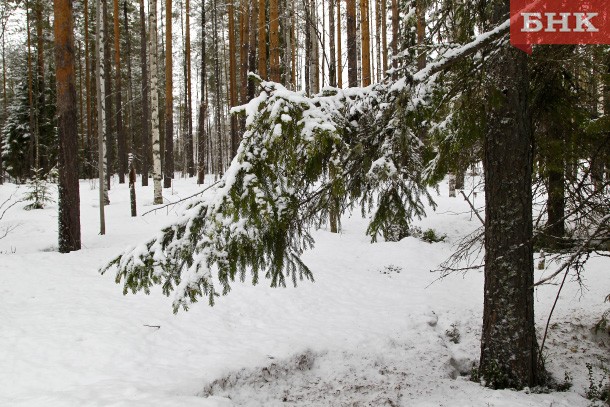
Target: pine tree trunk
x: 314, y: 72
x: 101, y: 115
x: 168, y: 172
x: 274, y: 41
x: 339, y: 46
x: 4, y: 107
x: 109, y: 112
x: 352, y: 52
x: 308, y: 47
x: 145, y: 123
x: 134, y: 144
x: 33, y: 144
x: 232, y: 78
x: 154, y: 103
x: 555, y: 164
x: 262, y: 40
x: 132, y: 186
x: 366, y: 42
x: 122, y: 147
x: 89, y: 148
x: 395, y: 38
x: 509, y: 352
x: 190, y: 163
x: 217, y: 73
x: 384, y: 37
x: 69, y: 197
x: 332, y: 68
x: 252, y: 46
x: 201, y: 134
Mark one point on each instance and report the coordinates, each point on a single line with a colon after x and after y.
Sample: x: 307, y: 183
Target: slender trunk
x: 132, y: 186
x: 274, y: 41
x: 89, y: 147
x: 81, y: 103
x: 339, y: 48
x: 168, y: 172
x: 378, y: 38
x: 365, y: 40
x: 69, y: 197
x: 218, y: 115
x: 132, y: 145
x: 201, y: 134
x: 332, y: 68
x: 232, y: 78
x: 352, y: 52
x: 243, y: 51
x: 145, y: 123
x: 101, y: 115
x: 262, y: 40
x: 109, y: 158
x: 122, y: 147
x: 308, y: 47
x: 421, y: 34
x: 315, y: 54
x: 384, y: 37
x: 252, y: 47
x: 33, y: 144
x: 395, y: 38
x: 190, y: 164
x: 4, y: 107
x: 154, y: 102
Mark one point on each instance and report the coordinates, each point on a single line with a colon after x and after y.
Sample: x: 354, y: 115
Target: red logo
x: 559, y: 22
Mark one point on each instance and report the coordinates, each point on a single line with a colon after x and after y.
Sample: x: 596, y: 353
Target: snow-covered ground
x: 371, y: 331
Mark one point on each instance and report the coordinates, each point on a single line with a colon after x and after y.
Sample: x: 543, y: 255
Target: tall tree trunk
x: 109, y: 158
x: 168, y: 172
x: 314, y: 70
x: 145, y: 123
x: 33, y: 156
x: 384, y: 37
x: 252, y: 47
x: 420, y: 12
x: 287, y: 43
x: 154, y: 102
x: 332, y: 69
x: 69, y: 197
x: 509, y: 352
x: 4, y: 107
x: 40, y: 55
x: 201, y: 134
x: 190, y: 164
x: 232, y: 78
x: 262, y: 40
x: 308, y: 47
x: 244, y: 44
x: 555, y: 166
x: 89, y: 148
x: 366, y: 42
x: 217, y: 73
x: 101, y: 115
x: 132, y: 145
x: 122, y: 147
x: 274, y: 41
x: 132, y: 185
x: 352, y: 52
x: 339, y: 48
x: 395, y: 37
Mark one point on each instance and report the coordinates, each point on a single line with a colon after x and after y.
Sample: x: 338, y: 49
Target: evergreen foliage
x: 277, y: 188
x: 38, y: 191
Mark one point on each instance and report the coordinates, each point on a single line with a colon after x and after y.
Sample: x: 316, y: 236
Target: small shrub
x: 431, y: 236
x: 453, y: 334
x: 39, y: 191
x: 599, y: 388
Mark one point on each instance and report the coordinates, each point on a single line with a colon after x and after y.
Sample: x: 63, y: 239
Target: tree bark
x: 154, y: 102
x: 122, y: 147
x: 332, y: 68
x: 89, y: 147
x: 274, y: 41
x: 145, y: 123
x: 168, y: 172
x: 352, y: 52
x: 232, y: 78
x: 509, y: 352
x: 366, y: 42
x: 190, y: 163
x: 67, y: 129
x: 201, y: 134
x: 384, y: 37
x: 262, y: 40
x: 395, y: 38
x: 101, y: 115
x: 339, y: 46
x: 252, y: 47
x: 109, y: 157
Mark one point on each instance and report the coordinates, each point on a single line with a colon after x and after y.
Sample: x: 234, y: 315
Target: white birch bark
x: 154, y: 104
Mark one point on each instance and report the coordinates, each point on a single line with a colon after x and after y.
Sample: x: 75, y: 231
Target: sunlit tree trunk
x: 339, y: 48
x: 366, y: 42
x: 352, y: 52
x: 145, y: 117
x: 100, y: 84
x: 262, y: 40
x: 109, y: 157
x: 190, y: 163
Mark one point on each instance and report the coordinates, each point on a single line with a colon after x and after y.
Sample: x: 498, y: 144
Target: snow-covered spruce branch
x: 276, y: 189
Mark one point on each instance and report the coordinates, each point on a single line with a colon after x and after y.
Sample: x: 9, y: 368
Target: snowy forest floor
x: 374, y: 329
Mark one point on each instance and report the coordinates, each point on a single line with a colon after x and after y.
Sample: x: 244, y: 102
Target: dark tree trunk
x: 69, y: 198
x: 145, y: 97
x: 509, y: 352
x: 252, y: 47
x: 332, y: 67
x: 352, y: 51
x: 201, y: 133
x: 555, y: 164
x: 108, y: 96
x: 122, y: 145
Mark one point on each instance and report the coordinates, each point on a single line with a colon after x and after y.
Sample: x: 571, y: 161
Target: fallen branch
x: 180, y: 200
